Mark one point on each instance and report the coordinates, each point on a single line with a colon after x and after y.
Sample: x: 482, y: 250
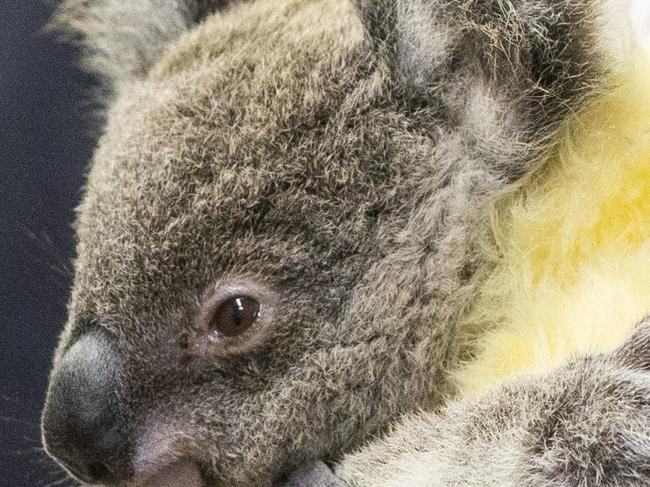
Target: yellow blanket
x: 572, y: 253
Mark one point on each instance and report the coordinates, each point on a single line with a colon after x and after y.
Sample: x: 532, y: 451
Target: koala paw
x: 596, y: 430
x: 635, y: 352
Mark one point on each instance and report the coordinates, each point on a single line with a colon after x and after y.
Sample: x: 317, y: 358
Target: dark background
x: 46, y: 141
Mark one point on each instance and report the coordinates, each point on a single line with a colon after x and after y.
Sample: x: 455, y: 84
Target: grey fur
x: 347, y: 168
x: 121, y: 39
x: 586, y: 424
x: 313, y: 473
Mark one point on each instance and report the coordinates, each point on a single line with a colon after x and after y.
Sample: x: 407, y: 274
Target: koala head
x: 254, y: 284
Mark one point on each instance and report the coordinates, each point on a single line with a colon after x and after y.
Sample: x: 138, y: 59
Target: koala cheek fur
x: 345, y: 165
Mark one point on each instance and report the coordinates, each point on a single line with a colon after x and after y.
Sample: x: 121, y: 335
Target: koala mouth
x: 182, y: 473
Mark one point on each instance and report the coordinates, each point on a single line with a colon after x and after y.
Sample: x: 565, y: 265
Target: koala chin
x: 284, y: 227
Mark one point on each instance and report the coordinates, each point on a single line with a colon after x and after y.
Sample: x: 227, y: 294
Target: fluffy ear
x: 121, y: 39
x: 545, y: 42
x: 427, y: 44
x: 408, y: 34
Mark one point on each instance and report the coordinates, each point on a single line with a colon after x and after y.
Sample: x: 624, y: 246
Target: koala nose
x: 81, y: 425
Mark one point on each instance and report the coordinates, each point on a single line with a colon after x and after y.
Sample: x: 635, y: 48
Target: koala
x: 282, y: 226
x: 583, y: 425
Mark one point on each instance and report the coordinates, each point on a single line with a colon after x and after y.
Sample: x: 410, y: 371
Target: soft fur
x: 572, y: 261
x: 348, y: 162
x: 572, y: 253
x: 583, y: 425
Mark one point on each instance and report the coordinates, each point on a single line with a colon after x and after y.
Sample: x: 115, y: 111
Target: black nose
x: 82, y: 428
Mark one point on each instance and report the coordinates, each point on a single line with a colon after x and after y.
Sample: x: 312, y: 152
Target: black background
x: 46, y: 141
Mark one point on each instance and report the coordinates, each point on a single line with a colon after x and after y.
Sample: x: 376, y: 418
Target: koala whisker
x: 45, y: 244
x: 59, y: 482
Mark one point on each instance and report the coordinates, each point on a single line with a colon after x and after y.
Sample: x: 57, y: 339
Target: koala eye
x: 235, y: 316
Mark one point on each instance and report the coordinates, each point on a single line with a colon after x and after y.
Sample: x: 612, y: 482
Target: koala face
x: 283, y: 222
x: 230, y: 317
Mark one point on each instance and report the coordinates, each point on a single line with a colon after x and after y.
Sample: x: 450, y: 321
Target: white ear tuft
x: 122, y: 39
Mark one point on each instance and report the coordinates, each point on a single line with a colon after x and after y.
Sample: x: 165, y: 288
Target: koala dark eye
x: 235, y: 316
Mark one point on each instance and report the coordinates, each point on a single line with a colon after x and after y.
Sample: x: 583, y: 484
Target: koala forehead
x: 234, y: 158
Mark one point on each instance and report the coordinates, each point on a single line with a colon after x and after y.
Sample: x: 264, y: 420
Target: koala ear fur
x: 122, y: 39
x: 379, y: 20
x: 410, y: 36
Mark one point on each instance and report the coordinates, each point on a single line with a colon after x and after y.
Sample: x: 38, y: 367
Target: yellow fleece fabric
x: 572, y: 253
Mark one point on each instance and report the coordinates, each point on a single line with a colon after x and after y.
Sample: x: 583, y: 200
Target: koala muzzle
x: 82, y: 428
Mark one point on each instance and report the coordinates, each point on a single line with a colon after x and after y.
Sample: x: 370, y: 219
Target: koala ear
x: 379, y: 18
x: 122, y: 39
x: 412, y: 36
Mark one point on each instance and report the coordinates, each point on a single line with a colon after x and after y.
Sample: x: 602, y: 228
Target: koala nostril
x: 99, y: 472
x: 82, y: 428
